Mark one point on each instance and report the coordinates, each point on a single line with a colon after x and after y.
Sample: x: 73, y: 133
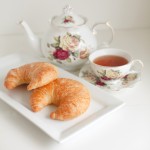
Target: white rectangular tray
x: 101, y: 103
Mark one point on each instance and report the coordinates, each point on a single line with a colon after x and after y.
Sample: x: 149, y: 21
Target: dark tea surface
x: 110, y: 61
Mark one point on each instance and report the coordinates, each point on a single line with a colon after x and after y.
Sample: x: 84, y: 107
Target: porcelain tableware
x: 114, y: 75
x: 69, y: 40
x: 126, y: 82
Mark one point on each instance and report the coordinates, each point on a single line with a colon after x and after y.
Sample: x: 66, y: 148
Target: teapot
x: 68, y: 42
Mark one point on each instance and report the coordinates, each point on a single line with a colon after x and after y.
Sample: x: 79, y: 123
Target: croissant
x: 34, y: 74
x: 71, y: 97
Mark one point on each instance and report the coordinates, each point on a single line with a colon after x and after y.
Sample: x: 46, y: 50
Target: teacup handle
x: 136, y: 66
x: 107, y: 23
x: 135, y: 71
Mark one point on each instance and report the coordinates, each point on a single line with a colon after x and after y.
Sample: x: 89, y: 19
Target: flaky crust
x: 71, y: 97
x: 35, y: 74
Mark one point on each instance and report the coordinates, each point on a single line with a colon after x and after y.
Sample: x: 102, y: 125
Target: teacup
x: 105, y: 64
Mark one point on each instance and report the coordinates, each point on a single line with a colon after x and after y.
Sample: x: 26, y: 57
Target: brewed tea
x: 110, y: 61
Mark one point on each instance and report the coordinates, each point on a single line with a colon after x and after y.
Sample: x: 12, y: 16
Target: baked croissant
x: 35, y: 74
x: 71, y: 97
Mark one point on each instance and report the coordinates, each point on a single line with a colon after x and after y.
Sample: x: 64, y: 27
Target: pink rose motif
x: 100, y: 83
x: 69, y: 42
x: 68, y: 19
x: 106, y: 78
x: 61, y: 54
x: 84, y: 54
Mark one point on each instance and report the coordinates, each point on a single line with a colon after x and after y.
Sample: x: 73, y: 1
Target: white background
x: 121, y: 13
x: 126, y: 129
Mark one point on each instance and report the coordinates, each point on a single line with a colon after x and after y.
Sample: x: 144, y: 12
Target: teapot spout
x: 34, y: 40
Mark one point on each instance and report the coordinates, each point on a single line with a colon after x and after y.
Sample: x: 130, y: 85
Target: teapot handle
x: 107, y: 23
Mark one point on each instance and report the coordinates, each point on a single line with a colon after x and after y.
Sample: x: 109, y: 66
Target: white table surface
x: 125, y: 129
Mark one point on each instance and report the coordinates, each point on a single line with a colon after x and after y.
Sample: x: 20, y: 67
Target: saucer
x: 127, y: 81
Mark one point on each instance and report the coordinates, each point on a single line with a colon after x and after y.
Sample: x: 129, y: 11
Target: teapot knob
x: 67, y: 9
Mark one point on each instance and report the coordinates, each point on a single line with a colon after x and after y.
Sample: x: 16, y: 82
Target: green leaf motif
x: 68, y: 60
x: 55, y: 45
x: 68, y: 33
x: 59, y: 62
x: 77, y: 36
x: 57, y: 39
x: 102, y: 72
x: 75, y: 54
x: 48, y: 45
x: 51, y: 57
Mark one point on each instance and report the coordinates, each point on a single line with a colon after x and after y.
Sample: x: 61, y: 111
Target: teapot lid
x: 68, y: 18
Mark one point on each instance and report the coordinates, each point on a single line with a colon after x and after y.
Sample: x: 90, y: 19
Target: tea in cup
x: 111, y: 65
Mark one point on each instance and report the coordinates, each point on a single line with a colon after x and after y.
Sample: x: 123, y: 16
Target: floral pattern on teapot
x: 67, y: 48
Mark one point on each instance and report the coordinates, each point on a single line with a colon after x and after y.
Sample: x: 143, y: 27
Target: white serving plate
x: 101, y: 103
